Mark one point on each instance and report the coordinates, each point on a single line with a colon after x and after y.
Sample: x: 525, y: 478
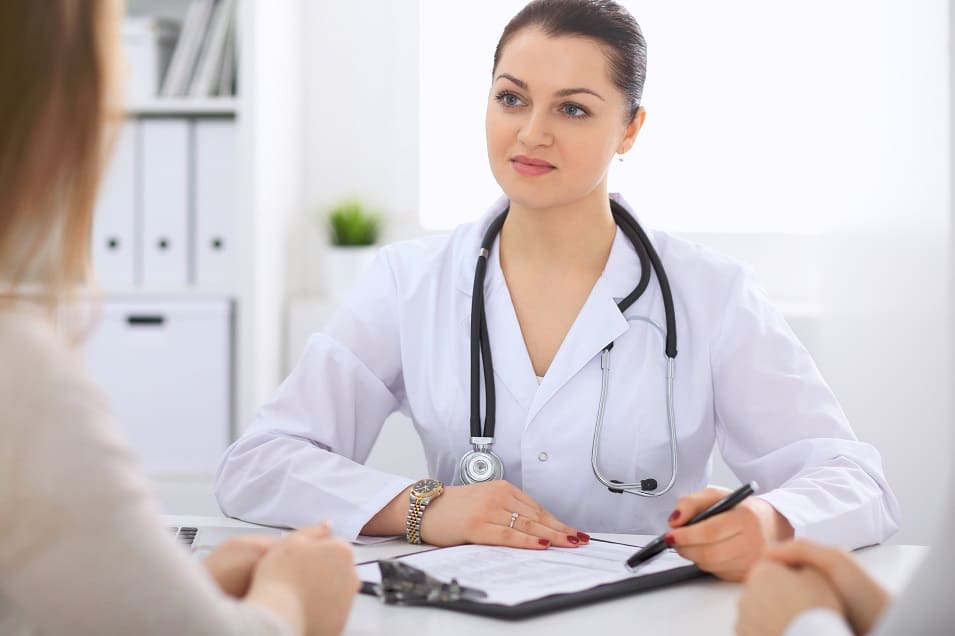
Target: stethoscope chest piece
x: 481, y: 464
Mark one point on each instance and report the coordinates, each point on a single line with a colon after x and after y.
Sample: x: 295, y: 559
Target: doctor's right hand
x: 481, y: 513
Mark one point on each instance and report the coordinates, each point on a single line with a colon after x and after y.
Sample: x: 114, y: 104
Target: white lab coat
x: 402, y: 342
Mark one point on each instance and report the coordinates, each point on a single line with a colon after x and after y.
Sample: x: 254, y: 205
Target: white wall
x: 884, y: 335
x: 361, y: 82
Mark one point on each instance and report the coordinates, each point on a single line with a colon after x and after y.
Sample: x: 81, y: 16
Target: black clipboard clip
x: 403, y: 584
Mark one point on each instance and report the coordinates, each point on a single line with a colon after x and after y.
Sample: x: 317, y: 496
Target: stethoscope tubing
x: 483, y: 436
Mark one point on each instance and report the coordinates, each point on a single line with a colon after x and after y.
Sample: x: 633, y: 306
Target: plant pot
x: 343, y: 267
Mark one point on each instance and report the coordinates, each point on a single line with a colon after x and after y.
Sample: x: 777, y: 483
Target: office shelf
x: 184, y: 106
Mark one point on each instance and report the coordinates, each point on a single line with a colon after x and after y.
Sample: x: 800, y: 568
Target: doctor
x: 496, y: 340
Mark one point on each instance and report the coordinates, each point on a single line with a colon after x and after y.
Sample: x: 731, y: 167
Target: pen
x: 658, y: 545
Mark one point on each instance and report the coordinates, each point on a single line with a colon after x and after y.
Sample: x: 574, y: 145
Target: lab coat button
x: 542, y: 456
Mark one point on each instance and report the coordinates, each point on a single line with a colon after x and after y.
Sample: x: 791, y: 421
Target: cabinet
x: 166, y: 365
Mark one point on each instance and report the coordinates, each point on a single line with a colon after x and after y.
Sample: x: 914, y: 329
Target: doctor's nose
x: 535, y: 131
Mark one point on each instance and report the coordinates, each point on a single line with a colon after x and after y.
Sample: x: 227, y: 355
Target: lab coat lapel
x: 598, y: 324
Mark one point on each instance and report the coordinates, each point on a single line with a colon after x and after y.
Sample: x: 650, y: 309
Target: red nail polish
x: 584, y: 537
x: 668, y: 539
x: 675, y: 515
x: 573, y: 539
x: 544, y: 542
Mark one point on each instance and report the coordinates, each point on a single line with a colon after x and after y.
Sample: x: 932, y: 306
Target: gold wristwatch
x: 423, y: 492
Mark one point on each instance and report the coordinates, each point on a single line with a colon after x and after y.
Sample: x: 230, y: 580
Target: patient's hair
x: 56, y: 94
x: 605, y: 21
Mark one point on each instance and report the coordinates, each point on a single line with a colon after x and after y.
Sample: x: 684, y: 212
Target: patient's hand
x: 775, y: 594
x: 863, y: 598
x: 232, y: 563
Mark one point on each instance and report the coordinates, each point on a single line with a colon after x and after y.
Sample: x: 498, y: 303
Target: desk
x: 704, y: 606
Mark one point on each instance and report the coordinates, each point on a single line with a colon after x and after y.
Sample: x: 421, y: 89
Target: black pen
x: 658, y: 545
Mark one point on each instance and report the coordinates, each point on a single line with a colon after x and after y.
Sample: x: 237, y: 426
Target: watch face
x: 426, y: 488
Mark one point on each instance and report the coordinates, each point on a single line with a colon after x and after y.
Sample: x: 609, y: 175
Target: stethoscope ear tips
x: 646, y: 485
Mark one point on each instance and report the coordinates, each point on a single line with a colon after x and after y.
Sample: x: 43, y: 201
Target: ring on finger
x: 514, y: 516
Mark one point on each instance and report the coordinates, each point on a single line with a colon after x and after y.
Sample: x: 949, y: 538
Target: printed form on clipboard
x: 520, y: 583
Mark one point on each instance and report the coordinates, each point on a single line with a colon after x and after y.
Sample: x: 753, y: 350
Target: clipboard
x: 440, y: 598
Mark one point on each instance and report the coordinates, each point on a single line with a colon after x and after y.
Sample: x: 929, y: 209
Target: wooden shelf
x: 179, y: 106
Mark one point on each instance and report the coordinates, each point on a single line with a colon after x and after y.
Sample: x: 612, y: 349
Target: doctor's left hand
x: 729, y: 543
x: 482, y: 513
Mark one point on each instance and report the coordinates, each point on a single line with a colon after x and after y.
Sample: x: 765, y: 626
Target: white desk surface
x: 704, y: 606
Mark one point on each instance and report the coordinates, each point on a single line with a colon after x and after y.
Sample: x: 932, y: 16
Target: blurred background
x: 269, y: 147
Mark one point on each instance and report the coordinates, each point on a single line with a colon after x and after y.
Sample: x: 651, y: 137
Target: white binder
x: 114, y: 223
x: 165, y: 179
x: 216, y: 204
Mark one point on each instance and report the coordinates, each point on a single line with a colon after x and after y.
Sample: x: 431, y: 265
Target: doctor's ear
x: 632, y: 130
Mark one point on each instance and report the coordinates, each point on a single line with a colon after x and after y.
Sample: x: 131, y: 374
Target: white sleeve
x: 818, y: 622
x: 778, y: 422
x: 300, y: 462
x: 82, y: 548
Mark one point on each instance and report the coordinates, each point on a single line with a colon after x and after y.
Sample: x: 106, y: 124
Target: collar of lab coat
x: 598, y: 323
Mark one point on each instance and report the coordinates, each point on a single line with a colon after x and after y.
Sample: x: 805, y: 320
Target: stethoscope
x: 483, y: 464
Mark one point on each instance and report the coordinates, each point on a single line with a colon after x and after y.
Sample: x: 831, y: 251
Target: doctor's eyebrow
x: 564, y: 92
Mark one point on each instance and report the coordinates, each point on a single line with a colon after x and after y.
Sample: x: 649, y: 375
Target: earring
x: 620, y: 157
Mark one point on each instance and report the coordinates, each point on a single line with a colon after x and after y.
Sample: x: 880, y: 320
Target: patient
x: 82, y: 547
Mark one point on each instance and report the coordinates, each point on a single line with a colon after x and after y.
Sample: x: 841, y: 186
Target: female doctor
x: 556, y: 316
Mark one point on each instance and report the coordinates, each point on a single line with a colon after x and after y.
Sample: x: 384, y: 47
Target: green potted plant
x: 353, y: 232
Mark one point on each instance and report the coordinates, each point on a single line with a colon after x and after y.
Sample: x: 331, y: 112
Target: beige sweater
x: 82, y: 547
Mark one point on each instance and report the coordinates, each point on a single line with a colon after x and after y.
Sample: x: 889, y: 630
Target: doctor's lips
x: 530, y: 167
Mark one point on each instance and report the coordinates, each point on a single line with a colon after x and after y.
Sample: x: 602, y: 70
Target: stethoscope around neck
x: 482, y: 464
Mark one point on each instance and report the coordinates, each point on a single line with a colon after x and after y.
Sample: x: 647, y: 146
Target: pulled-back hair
x: 605, y: 21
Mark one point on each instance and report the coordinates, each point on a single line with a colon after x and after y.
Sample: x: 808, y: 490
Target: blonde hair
x: 56, y: 101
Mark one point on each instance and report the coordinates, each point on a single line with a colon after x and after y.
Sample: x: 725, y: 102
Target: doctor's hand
x: 729, y: 543
x: 863, y: 598
x: 775, y: 594
x: 481, y: 513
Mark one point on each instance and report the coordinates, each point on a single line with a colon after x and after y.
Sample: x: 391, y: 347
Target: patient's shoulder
x: 33, y: 352
x: 43, y: 380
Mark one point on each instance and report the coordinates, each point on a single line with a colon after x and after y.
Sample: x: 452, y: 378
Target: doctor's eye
x: 574, y: 111
x: 508, y: 99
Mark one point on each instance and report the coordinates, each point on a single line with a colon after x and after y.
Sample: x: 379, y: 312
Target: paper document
x: 511, y: 576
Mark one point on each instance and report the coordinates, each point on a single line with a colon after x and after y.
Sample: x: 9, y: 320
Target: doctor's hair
x: 605, y: 21
x: 55, y: 85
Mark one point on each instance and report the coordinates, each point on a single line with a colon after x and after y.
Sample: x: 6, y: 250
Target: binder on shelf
x: 205, y: 80
x: 216, y: 203
x: 226, y: 85
x: 114, y: 249
x: 184, y: 57
x: 148, y: 43
x: 165, y: 196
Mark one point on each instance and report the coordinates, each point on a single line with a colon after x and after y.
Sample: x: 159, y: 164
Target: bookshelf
x: 183, y: 107
x: 268, y: 115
